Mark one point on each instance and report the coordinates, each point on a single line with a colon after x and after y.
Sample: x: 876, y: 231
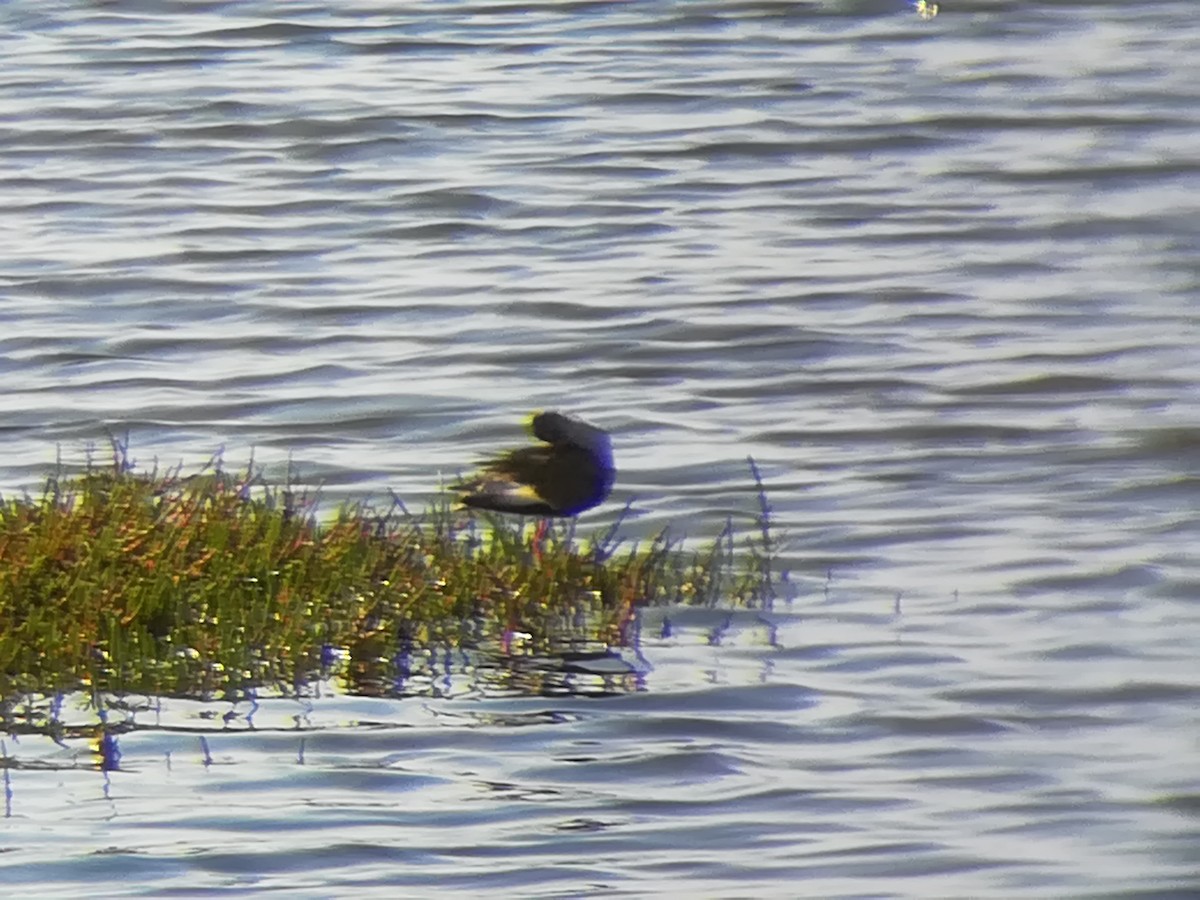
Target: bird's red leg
x: 539, y: 535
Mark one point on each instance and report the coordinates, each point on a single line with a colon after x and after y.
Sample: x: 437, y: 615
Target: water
x: 939, y: 278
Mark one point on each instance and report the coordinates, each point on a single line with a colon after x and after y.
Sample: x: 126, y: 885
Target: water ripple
x: 937, y: 277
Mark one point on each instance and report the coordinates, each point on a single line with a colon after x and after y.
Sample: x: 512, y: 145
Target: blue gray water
x: 939, y: 277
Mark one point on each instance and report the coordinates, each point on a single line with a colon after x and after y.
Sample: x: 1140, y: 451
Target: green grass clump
x: 158, y: 583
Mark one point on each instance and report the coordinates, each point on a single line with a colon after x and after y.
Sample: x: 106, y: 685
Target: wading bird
x: 572, y: 470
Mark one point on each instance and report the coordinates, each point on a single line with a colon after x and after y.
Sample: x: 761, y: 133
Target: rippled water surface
x: 938, y: 277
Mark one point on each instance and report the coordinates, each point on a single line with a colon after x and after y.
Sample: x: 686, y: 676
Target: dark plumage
x: 570, y: 472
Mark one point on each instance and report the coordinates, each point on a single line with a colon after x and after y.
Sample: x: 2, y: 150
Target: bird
x: 570, y: 471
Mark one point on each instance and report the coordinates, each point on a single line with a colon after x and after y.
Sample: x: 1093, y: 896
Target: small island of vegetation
x: 215, y: 582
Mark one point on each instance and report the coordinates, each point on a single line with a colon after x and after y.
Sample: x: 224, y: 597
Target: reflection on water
x: 570, y: 661
x: 824, y: 743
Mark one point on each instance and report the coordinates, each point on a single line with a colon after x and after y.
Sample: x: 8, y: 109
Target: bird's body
x: 570, y: 472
